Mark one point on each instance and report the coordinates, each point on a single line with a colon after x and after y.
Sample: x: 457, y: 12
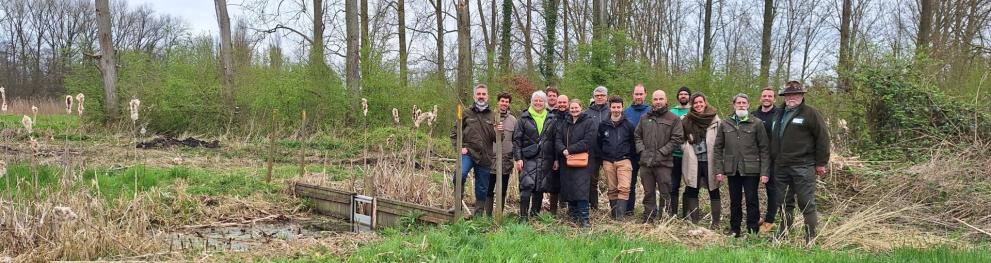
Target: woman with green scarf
x: 534, y: 154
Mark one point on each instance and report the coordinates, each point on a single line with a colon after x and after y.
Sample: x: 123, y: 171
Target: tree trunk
x: 765, y: 42
x: 504, y: 47
x: 707, y: 38
x: 108, y: 64
x: 366, y: 40
x: 464, y: 48
x: 226, y: 54
x: 598, y: 19
x: 489, y: 42
x: 925, y: 27
x: 316, y: 49
x: 622, y: 16
x: 439, y: 14
x: 528, y: 38
x: 564, y: 25
x: 844, y: 67
x: 550, y: 23
x: 353, y: 79
x: 403, y: 52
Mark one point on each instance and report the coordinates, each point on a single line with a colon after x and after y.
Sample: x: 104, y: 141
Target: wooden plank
x: 337, y: 203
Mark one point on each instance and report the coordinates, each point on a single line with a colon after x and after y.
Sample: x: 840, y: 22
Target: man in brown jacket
x: 657, y: 135
x: 478, y: 137
x: 799, y: 152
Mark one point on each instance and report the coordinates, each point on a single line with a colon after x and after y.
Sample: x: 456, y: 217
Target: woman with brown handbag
x: 575, y: 141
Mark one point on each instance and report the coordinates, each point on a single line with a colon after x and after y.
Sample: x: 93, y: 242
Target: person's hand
x: 820, y: 170
x: 464, y: 150
x: 565, y: 152
x: 764, y: 179
x: 720, y: 178
x: 555, y: 166
x: 499, y: 127
x: 519, y: 165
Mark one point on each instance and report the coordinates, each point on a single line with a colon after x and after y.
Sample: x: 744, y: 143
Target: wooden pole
x: 271, y: 149
x: 498, y: 187
x: 302, y: 147
x: 458, y: 182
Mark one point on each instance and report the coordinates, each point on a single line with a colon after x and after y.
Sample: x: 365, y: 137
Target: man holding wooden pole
x: 478, y: 136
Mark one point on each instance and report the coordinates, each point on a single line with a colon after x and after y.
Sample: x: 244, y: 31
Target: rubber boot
x: 555, y: 203
x: 717, y: 210
x: 488, y: 207
x: 692, y: 210
x: 612, y: 209
x: 524, y: 207
x: 479, y: 210
x: 620, y: 210
x: 673, y: 209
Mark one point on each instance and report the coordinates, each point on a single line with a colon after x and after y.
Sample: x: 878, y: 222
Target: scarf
x: 481, y: 106
x: 695, y: 123
x: 538, y: 118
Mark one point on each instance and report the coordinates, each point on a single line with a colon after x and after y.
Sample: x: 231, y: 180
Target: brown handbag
x: 577, y: 160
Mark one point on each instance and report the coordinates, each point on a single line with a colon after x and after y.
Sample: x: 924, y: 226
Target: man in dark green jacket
x: 741, y: 152
x: 478, y: 137
x: 799, y: 151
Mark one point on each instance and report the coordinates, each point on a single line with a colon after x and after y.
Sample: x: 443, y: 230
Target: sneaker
x: 766, y: 228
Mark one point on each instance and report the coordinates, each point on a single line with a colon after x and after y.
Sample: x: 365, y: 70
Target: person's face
x: 562, y: 103
x: 793, y: 100
x: 698, y: 105
x: 600, y: 98
x: 551, y: 99
x: 482, y: 95
x: 616, y: 109
x: 537, y: 104
x: 767, y: 98
x: 659, y: 100
x: 575, y: 109
x: 741, y: 104
x: 683, y: 97
x: 503, y: 104
x: 639, y: 95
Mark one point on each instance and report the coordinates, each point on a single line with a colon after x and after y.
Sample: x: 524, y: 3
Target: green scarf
x: 538, y: 117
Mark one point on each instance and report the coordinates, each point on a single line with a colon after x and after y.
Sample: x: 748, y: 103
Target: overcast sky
x: 198, y: 14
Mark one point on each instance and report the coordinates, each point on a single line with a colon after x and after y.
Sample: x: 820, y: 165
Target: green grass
x: 113, y: 183
x: 477, y: 242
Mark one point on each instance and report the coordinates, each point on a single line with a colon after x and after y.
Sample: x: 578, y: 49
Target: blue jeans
x: 482, y: 174
x: 578, y: 209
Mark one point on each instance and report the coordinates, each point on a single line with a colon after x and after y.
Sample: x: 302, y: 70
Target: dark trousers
x: 593, y: 191
x: 703, y: 180
x: 578, y: 209
x: 633, y: 184
x: 772, y: 198
x: 798, y: 182
x: 675, y: 187
x: 738, y: 187
x: 655, y: 179
x: 505, y: 187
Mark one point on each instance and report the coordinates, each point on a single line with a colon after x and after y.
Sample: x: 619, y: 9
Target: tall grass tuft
x: 3, y: 98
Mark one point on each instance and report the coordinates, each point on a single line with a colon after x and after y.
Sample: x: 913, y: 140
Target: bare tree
x: 504, y: 46
x: 353, y: 79
x: 844, y: 67
x: 403, y: 51
x: 439, y: 15
x: 226, y: 55
x: 765, y: 42
x: 108, y: 63
x: 550, y: 41
x: 464, y: 77
x: 925, y: 26
x: 707, y: 37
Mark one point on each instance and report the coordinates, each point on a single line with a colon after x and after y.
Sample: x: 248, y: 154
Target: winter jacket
x: 616, y: 140
x: 576, y: 137
x: 657, y: 136
x: 690, y: 161
x: 742, y: 146
x: 535, y: 150
x: 802, y: 139
x: 478, y: 135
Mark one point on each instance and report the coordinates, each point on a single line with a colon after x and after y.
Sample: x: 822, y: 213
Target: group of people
x: 560, y: 148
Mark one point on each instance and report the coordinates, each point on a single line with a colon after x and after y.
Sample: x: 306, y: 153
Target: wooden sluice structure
x: 364, y: 212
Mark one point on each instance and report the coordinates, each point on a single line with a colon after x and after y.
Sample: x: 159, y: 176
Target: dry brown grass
x: 40, y: 230
x: 46, y: 106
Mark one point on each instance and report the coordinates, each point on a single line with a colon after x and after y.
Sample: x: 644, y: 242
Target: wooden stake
x: 271, y: 149
x: 498, y: 187
x: 302, y: 147
x: 459, y: 184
